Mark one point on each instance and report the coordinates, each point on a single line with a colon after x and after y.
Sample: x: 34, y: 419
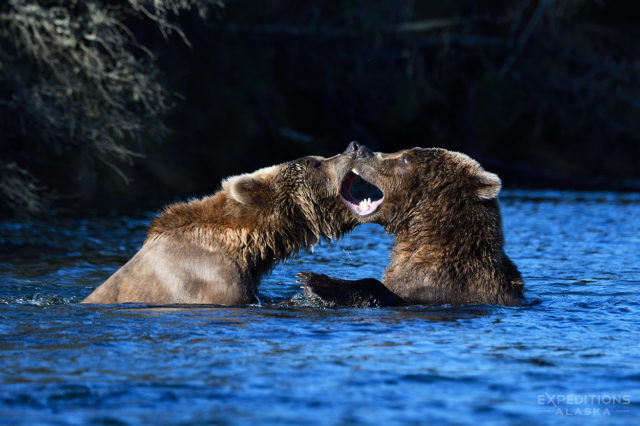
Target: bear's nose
x: 352, y: 147
x: 363, y: 152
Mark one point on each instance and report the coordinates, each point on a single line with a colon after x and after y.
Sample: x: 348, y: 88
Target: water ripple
x: 66, y: 363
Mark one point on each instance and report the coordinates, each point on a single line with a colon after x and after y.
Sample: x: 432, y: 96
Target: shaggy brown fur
x: 442, y: 208
x: 215, y: 250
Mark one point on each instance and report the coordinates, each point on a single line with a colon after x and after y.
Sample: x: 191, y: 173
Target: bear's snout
x: 363, y: 152
x: 352, y: 147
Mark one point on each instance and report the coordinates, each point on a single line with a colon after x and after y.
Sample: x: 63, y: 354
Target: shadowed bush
x: 546, y: 93
x: 76, y: 88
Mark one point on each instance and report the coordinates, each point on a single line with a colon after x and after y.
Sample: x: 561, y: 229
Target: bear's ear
x: 251, y: 188
x: 489, y: 185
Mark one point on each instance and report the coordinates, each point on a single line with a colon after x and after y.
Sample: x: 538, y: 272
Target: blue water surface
x: 571, y: 355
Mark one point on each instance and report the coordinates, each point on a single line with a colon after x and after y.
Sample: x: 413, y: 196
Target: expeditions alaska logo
x: 584, y: 404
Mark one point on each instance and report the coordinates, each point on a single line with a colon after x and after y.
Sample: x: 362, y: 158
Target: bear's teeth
x: 355, y: 172
x: 365, y: 204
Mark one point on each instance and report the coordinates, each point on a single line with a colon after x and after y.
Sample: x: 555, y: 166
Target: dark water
x: 574, y: 356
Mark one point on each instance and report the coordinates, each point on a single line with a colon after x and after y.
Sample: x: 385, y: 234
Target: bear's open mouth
x: 366, y: 191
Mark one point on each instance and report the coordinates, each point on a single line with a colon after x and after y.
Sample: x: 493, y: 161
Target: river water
x: 572, y: 354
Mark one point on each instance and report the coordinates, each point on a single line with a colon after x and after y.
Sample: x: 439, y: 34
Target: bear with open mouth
x: 214, y: 250
x: 449, y: 245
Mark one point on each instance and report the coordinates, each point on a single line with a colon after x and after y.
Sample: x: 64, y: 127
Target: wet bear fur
x: 442, y: 208
x: 214, y: 250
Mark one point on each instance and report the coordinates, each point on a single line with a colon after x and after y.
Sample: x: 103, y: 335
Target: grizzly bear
x: 214, y: 250
x: 449, y: 245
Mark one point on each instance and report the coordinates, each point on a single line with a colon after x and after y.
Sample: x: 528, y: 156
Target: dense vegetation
x: 134, y: 102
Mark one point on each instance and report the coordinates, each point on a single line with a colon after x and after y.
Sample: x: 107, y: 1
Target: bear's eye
x: 404, y: 160
x: 315, y: 164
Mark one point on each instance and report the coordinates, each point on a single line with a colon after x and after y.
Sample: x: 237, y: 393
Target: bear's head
x: 300, y: 196
x: 420, y: 185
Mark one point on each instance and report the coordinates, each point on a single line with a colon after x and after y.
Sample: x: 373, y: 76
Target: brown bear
x: 214, y: 250
x: 449, y: 246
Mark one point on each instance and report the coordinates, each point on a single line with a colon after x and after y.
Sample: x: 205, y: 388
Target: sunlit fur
x: 215, y: 249
x: 449, y: 245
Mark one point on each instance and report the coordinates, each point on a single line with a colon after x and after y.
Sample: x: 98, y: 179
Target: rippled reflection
x: 61, y: 362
